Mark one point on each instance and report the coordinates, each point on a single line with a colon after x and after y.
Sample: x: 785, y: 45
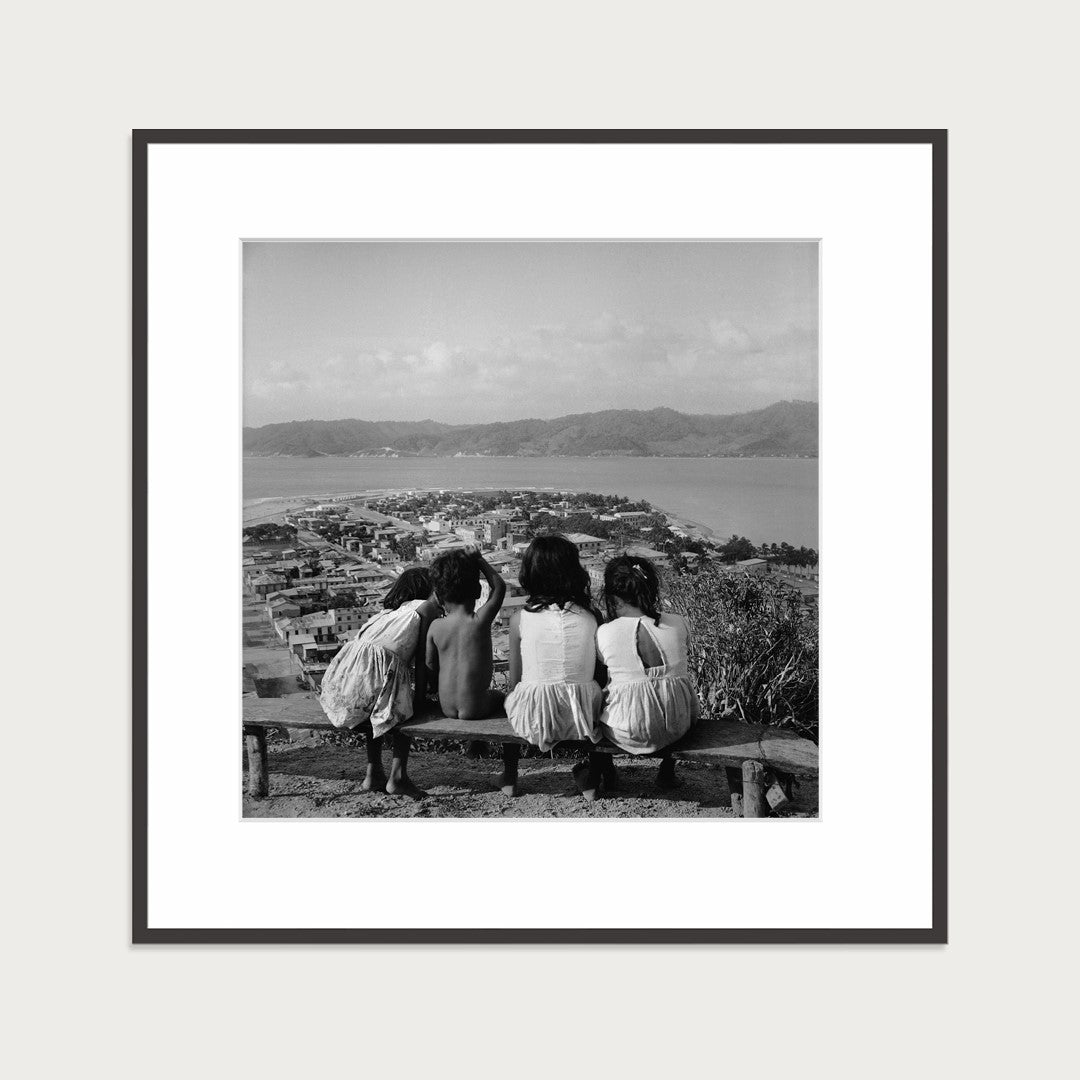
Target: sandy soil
x: 310, y: 778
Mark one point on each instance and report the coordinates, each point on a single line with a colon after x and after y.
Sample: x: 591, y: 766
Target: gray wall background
x: 79, y: 77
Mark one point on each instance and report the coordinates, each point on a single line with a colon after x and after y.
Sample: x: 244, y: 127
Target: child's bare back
x: 463, y: 644
x: 459, y: 644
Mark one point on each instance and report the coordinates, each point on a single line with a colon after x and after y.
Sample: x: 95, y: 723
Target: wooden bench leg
x: 753, y: 790
x: 258, y: 767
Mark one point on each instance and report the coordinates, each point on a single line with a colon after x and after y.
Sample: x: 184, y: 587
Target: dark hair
x: 551, y: 573
x: 634, y: 581
x: 456, y: 577
x: 413, y: 584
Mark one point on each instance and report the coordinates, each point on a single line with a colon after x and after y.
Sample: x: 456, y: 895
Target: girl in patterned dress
x: 377, y: 677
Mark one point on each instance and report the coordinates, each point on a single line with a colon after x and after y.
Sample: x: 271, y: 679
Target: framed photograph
x: 539, y: 536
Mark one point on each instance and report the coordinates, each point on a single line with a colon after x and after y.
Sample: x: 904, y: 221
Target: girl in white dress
x: 554, y: 694
x: 370, y: 679
x: 650, y: 700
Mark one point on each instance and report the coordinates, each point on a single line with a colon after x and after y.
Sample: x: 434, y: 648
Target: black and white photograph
x: 530, y: 528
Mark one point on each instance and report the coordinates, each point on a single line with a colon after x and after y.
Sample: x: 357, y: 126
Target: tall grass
x: 753, y: 648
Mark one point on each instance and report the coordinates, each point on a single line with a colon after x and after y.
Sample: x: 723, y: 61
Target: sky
x: 472, y: 332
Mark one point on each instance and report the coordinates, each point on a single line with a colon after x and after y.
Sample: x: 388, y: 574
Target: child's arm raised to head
x: 490, y: 607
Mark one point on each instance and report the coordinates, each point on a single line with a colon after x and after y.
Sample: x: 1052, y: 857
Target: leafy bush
x: 269, y: 532
x: 753, y: 648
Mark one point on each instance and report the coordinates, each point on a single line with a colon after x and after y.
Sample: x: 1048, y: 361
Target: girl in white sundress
x: 371, y: 679
x: 554, y: 694
x: 650, y: 700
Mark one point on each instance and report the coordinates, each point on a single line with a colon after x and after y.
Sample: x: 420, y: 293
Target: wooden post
x: 258, y: 767
x: 753, y: 786
x: 734, y: 783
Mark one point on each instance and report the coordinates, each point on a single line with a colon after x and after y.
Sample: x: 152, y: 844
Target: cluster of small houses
x: 363, y: 560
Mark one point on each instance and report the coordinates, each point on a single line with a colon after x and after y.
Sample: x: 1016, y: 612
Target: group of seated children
x: 573, y: 675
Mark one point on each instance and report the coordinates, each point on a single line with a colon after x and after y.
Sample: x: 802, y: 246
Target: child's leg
x: 506, y: 781
x: 374, y: 778
x: 587, y: 775
x: 609, y: 774
x: 399, y: 782
x: 665, y: 776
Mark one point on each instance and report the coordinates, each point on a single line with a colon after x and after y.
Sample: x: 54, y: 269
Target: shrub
x: 753, y: 648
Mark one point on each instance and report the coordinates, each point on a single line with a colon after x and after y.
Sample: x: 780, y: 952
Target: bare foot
x: 666, y: 780
x: 374, y: 780
x: 506, y: 784
x: 404, y: 786
x: 584, y: 782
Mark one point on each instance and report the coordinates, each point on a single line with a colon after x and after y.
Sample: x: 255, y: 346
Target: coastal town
x: 315, y: 569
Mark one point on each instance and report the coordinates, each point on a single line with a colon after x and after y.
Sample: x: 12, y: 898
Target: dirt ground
x: 311, y: 778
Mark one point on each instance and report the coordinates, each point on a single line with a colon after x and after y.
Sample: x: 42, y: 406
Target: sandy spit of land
x: 260, y: 511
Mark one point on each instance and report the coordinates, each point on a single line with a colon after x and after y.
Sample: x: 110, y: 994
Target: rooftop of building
x: 647, y: 553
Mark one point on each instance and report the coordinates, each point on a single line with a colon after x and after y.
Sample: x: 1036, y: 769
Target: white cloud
x: 548, y: 371
x: 438, y: 356
x: 730, y: 338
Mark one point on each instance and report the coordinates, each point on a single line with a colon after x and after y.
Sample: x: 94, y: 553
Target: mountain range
x: 785, y: 429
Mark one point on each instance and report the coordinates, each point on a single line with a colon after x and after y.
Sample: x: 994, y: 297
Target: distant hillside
x: 784, y: 429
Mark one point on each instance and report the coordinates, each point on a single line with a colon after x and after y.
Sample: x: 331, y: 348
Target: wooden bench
x: 751, y: 755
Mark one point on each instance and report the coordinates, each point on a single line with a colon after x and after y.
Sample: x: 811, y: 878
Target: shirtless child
x: 459, y: 645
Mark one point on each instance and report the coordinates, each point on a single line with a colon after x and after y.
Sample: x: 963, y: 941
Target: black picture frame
x: 143, y: 934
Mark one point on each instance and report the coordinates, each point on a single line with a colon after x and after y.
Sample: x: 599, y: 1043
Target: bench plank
x: 293, y: 710
x: 491, y: 729
x: 731, y: 743
x: 720, y: 742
